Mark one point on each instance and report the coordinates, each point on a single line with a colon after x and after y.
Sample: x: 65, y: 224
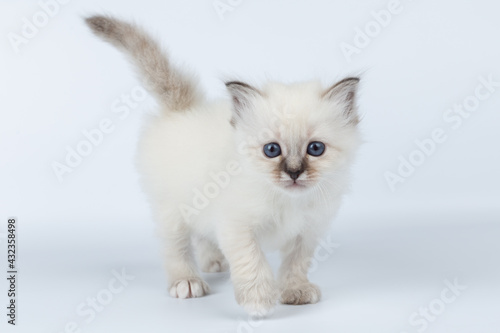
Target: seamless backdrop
x: 424, y: 212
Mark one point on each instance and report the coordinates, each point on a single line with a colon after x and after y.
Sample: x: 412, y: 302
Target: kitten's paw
x: 259, y: 300
x: 306, y: 293
x: 215, y: 266
x: 259, y: 309
x: 189, y: 287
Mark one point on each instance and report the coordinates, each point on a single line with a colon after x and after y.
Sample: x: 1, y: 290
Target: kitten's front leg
x: 294, y: 284
x: 252, y: 277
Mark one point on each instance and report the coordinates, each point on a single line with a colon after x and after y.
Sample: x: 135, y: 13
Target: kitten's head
x: 298, y: 136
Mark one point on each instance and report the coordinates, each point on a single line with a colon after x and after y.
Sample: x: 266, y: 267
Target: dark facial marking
x: 294, y: 172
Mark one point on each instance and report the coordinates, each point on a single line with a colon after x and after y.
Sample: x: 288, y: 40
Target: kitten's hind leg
x: 210, y: 257
x: 183, y: 276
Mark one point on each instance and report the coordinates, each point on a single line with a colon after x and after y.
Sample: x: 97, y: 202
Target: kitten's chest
x: 286, y: 222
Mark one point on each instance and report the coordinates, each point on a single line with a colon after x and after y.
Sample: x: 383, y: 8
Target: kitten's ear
x: 344, y: 93
x: 242, y: 96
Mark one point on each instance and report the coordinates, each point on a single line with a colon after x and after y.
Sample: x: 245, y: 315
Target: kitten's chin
x: 296, y: 187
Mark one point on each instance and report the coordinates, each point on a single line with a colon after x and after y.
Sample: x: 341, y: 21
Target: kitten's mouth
x: 295, y: 185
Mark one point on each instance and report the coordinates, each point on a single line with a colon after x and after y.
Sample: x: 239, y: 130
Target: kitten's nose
x: 294, y: 174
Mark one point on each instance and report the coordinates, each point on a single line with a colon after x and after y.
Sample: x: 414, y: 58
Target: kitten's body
x: 208, y: 179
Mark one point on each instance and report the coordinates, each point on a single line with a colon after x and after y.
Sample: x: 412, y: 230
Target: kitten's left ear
x: 242, y: 95
x: 344, y: 93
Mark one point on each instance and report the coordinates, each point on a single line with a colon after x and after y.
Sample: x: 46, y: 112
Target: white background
x: 395, y: 248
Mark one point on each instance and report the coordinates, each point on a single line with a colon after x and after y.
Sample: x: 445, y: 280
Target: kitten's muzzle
x: 294, y: 171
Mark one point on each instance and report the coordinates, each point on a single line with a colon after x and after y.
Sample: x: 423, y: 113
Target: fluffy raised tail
x: 175, y: 90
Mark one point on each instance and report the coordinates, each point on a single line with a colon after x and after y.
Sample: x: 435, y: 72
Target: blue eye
x: 272, y: 150
x: 316, y: 148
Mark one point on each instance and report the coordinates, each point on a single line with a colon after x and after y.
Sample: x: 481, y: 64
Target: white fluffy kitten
x: 266, y: 169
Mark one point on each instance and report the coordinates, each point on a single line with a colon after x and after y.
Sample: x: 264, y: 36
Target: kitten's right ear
x: 242, y: 97
x: 344, y: 92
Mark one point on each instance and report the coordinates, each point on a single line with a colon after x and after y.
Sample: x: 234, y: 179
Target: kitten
x: 265, y: 170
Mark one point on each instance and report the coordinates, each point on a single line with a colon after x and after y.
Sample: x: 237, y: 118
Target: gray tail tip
x: 101, y: 24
